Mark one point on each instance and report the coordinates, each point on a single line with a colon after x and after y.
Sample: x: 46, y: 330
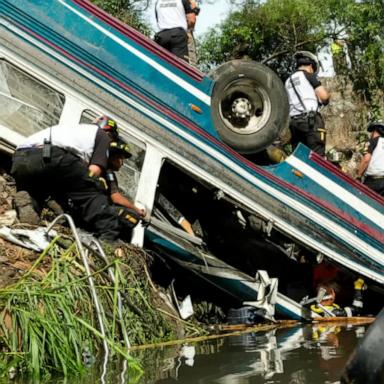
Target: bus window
x: 27, y: 104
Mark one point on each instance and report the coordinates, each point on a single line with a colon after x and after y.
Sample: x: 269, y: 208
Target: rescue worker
x: 128, y: 213
x: 64, y: 163
x: 371, y: 167
x: 328, y: 306
x: 174, y: 18
x: 306, y: 94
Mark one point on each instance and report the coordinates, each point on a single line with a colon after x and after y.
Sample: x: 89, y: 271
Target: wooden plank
x: 345, y: 320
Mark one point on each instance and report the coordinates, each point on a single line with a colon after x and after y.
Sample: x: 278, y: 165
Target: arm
x: 322, y: 94
x: 190, y: 14
x: 364, y: 165
x: 99, y: 159
x: 173, y: 213
x: 368, y: 150
x: 186, y: 225
x: 191, y: 20
x: 95, y: 170
x: 119, y: 199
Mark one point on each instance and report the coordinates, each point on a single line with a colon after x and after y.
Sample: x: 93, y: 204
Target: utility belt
x: 166, y: 31
x: 47, y: 150
x: 308, y: 118
x: 170, y: 29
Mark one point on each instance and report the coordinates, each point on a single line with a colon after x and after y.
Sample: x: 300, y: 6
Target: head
x: 109, y: 125
x: 118, y: 152
x: 376, y: 128
x: 331, y: 289
x: 307, y: 60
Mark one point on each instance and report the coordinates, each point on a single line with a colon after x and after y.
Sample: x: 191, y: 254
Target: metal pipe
x: 119, y: 300
x: 83, y: 254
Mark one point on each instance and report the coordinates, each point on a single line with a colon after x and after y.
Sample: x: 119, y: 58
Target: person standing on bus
x: 174, y: 18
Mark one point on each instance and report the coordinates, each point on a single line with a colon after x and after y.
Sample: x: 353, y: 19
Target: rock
x: 24, y: 207
x: 3, y: 184
x: 8, y: 218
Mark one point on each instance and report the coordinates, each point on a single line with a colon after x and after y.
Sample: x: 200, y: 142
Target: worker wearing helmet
x: 371, y: 167
x: 328, y: 308
x: 306, y: 94
x: 126, y: 210
x: 64, y: 162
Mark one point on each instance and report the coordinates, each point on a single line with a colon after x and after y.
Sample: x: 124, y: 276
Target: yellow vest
x: 319, y: 310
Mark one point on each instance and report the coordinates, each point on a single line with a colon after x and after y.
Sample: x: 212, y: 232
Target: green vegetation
x: 271, y: 31
x: 128, y: 11
x: 48, y: 322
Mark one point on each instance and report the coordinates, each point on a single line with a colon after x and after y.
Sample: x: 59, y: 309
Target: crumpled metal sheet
x: 35, y: 239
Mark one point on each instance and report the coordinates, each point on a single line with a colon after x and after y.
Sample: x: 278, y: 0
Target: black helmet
x: 306, y: 58
x: 109, y: 125
x: 376, y: 126
x: 120, y: 147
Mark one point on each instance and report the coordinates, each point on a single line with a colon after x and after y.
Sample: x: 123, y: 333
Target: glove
x: 103, y: 183
x: 360, y: 285
x: 99, y: 180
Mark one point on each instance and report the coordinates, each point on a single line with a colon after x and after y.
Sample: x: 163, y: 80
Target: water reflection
x: 305, y: 354
x: 313, y: 354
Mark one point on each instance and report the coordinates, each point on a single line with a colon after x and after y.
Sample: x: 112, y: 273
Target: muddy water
x: 304, y: 354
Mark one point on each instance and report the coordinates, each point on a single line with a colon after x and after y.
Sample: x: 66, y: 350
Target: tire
x: 249, y: 105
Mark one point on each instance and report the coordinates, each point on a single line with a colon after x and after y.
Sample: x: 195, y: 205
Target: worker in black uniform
x: 306, y: 94
x: 372, y: 164
x: 174, y: 18
x: 119, y: 151
x: 128, y: 213
x: 64, y: 163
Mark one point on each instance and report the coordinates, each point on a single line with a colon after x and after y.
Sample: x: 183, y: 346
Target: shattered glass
x: 27, y: 105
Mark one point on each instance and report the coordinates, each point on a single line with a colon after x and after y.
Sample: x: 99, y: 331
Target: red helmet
x: 109, y: 125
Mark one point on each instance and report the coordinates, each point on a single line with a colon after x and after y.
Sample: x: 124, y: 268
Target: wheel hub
x: 241, y: 108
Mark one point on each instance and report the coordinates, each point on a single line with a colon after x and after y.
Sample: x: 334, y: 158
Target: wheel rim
x: 245, y: 107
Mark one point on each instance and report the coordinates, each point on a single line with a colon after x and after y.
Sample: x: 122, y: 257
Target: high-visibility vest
x: 336, y: 49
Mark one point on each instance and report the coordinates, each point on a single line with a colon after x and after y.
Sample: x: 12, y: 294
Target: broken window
x: 228, y: 229
x: 27, y: 104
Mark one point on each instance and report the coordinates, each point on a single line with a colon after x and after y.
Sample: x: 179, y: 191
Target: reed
x: 48, y: 324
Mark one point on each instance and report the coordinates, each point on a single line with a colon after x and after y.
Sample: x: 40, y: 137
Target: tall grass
x: 48, y: 322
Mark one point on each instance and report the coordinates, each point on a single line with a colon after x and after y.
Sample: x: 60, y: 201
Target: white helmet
x: 307, y: 58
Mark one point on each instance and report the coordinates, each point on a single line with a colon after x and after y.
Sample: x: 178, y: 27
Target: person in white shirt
x: 174, y: 18
x: 64, y: 163
x: 371, y: 167
x: 306, y: 94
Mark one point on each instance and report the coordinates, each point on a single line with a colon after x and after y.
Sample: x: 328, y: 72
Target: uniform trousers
x: 311, y: 133
x: 174, y: 40
x: 375, y: 183
x: 65, y: 178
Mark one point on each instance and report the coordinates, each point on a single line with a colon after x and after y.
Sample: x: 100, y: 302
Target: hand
x: 360, y: 285
x: 141, y: 211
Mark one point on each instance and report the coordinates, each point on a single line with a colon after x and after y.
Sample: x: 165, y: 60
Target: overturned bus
x: 66, y: 61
